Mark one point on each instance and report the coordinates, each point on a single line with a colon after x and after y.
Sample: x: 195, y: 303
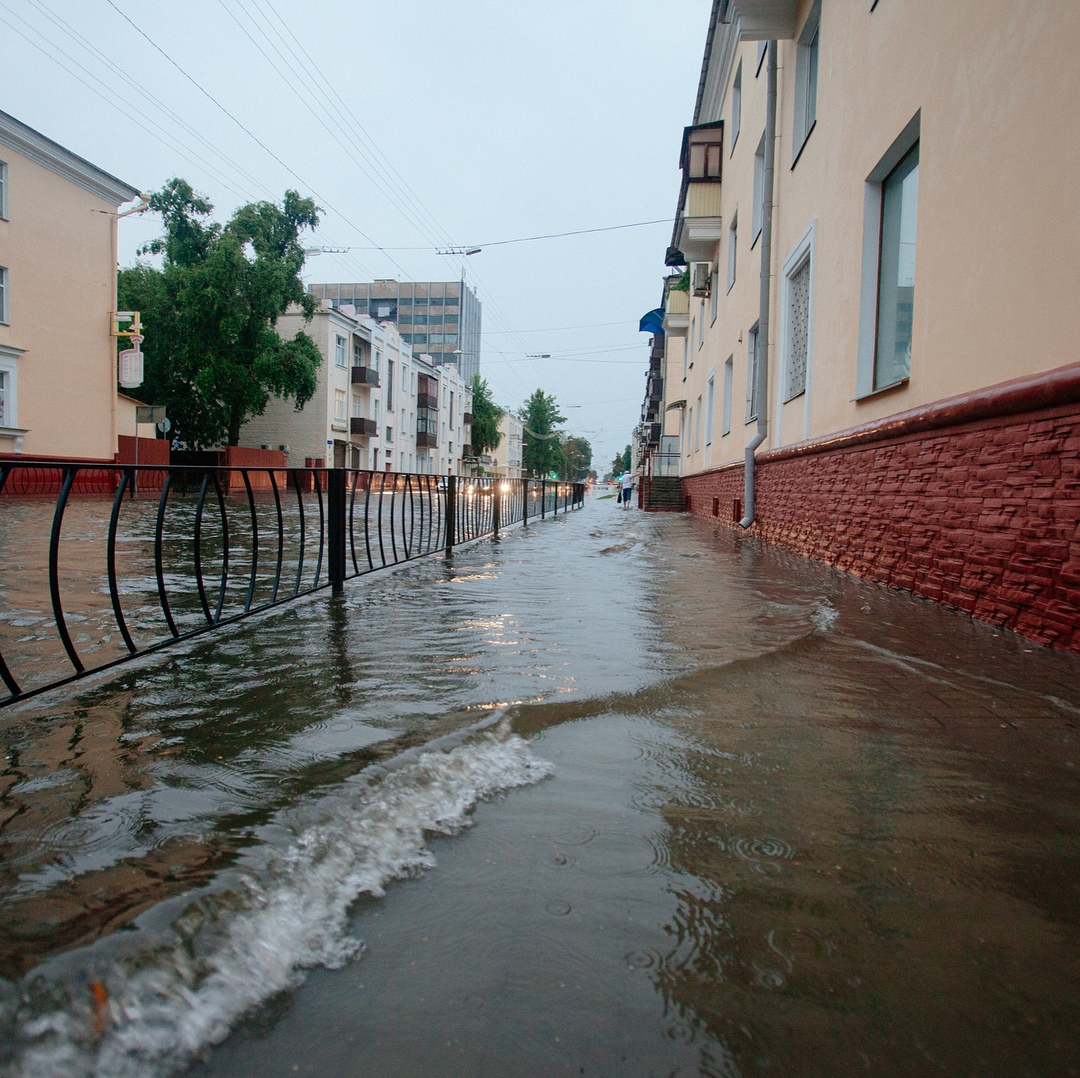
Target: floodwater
x: 617, y: 794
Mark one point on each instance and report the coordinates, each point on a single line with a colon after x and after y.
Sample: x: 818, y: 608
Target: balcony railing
x: 364, y: 428
x: 365, y: 376
x: 93, y: 575
x: 427, y: 400
x: 426, y: 440
x: 467, y: 418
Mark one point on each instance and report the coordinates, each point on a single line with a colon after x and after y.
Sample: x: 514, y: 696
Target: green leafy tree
x: 541, y: 451
x: 213, y: 356
x: 621, y: 463
x: 577, y: 458
x: 486, y: 416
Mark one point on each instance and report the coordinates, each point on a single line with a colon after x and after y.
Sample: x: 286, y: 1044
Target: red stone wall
x: 981, y: 516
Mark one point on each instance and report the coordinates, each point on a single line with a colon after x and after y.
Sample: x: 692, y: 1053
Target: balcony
x: 426, y: 440
x: 466, y: 450
x: 363, y: 428
x: 467, y: 418
x: 427, y: 400
x: 365, y: 376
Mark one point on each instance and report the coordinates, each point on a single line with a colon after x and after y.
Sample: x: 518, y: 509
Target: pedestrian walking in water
x: 627, y: 485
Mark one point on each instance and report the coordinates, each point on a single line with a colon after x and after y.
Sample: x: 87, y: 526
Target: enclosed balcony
x: 365, y: 376
x: 699, y: 228
x: 466, y: 418
x: 363, y: 428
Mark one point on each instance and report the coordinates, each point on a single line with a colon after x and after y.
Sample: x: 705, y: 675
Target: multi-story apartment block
x: 377, y: 406
x: 58, y: 226
x: 438, y: 318
x: 872, y: 358
x: 505, y: 458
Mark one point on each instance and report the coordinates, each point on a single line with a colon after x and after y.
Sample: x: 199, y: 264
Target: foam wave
x: 238, y: 943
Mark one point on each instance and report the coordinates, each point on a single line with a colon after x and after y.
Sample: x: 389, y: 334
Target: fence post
x: 543, y: 498
x: 524, y: 503
x: 335, y: 496
x: 496, y: 507
x: 451, y: 512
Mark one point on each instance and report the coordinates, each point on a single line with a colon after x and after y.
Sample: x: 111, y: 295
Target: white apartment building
x: 377, y: 406
x: 505, y: 458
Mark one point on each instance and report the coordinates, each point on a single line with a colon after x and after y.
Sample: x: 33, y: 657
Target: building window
x: 389, y: 382
x: 758, y: 213
x: 762, y: 48
x: 3, y: 190
x: 806, y: 80
x: 5, y: 389
x: 3, y: 294
x: 891, y: 204
x: 733, y: 242
x: 389, y: 434
x: 701, y: 325
x: 710, y: 404
x: 714, y: 292
x: 797, y: 307
x: 340, y: 414
x: 896, y: 273
x: 751, y: 373
x: 736, y: 107
x: 378, y: 359
x: 690, y: 340
x: 729, y: 375
x: 697, y: 426
x: 341, y: 356
x: 690, y: 424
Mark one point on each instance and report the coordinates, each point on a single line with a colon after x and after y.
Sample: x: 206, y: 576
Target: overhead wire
x: 247, y: 131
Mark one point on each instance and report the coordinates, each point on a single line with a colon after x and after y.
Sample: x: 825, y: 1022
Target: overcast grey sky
x: 415, y: 124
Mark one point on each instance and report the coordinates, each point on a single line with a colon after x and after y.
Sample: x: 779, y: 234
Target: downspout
x: 761, y: 365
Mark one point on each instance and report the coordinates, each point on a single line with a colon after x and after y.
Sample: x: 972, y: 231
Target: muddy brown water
x: 692, y: 806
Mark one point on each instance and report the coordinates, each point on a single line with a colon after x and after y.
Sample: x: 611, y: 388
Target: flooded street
x: 692, y: 806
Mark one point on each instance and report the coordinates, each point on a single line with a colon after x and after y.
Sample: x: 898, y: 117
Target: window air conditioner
x: 702, y: 278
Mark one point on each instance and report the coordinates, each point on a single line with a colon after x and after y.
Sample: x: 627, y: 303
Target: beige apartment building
x: 58, y: 225
x: 898, y: 393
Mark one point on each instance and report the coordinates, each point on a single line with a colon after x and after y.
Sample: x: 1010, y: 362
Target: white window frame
x: 807, y: 69
x: 757, y: 215
x: 697, y: 427
x: 3, y: 191
x: 341, y: 406
x: 901, y: 146
x: 729, y: 379
x: 5, y: 285
x: 9, y: 369
x: 733, y: 247
x: 341, y: 351
x: 801, y: 255
x: 710, y: 406
x: 751, y: 371
x: 736, y: 108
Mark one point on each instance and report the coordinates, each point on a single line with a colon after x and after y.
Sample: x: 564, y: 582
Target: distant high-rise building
x: 440, y: 318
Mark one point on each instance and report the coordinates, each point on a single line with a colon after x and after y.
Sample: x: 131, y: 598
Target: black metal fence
x: 93, y: 574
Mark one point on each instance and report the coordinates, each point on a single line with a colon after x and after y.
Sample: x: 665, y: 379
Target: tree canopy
x: 577, y: 458
x: 486, y: 417
x: 541, y: 452
x: 212, y: 354
x: 621, y: 463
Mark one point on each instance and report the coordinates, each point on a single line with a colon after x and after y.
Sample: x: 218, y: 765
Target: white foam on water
x: 237, y: 944
x: 824, y: 615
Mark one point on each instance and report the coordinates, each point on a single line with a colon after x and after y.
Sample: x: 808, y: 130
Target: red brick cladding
x: 981, y: 514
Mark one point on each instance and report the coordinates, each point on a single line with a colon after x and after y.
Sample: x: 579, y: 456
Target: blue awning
x: 653, y: 322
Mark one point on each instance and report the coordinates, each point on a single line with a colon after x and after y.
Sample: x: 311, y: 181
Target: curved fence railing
x: 99, y: 564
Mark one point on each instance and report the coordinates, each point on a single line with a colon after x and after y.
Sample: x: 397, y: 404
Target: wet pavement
x: 697, y: 807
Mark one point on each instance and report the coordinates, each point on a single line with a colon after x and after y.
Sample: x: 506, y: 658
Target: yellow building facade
x: 58, y: 229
